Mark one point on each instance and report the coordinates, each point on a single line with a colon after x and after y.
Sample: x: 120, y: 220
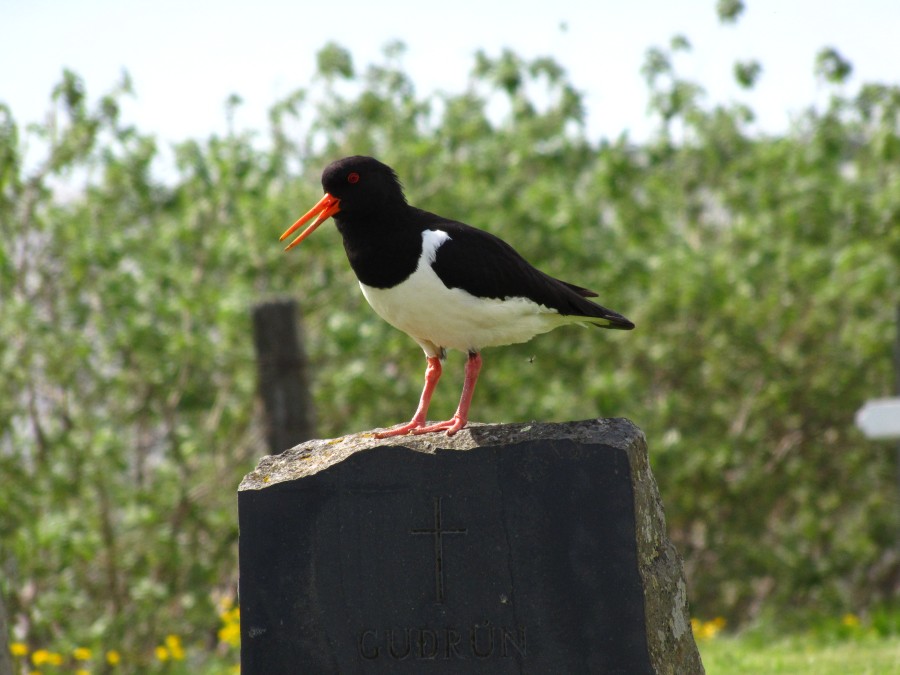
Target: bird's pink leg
x: 432, y: 375
x: 461, y: 418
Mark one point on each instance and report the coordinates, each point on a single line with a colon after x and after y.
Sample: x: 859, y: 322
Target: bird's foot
x: 451, y: 426
x: 416, y: 427
x: 402, y: 430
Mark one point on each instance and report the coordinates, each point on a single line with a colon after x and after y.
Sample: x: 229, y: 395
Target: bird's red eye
x: 353, y: 177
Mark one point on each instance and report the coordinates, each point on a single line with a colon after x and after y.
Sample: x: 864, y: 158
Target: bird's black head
x: 364, y: 186
x: 357, y: 190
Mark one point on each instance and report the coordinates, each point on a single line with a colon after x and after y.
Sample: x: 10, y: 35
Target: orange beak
x: 326, y: 208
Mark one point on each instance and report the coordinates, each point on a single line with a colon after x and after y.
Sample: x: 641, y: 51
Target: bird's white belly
x: 439, y: 317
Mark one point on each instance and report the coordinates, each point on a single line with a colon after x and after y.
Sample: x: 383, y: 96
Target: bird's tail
x: 610, y: 319
x: 590, y: 313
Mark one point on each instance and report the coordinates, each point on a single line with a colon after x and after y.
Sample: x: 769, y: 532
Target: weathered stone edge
x: 673, y: 650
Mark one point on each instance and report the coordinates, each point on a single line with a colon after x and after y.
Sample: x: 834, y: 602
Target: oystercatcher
x: 446, y: 284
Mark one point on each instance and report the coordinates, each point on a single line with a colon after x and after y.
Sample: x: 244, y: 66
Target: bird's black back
x: 486, y: 266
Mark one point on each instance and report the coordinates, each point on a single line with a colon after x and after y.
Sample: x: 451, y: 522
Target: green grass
x: 801, y: 655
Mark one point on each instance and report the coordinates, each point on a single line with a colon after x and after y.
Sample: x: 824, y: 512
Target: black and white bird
x: 446, y: 284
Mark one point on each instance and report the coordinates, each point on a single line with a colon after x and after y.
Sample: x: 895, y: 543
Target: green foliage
x: 832, y: 67
x: 729, y: 11
x: 335, y: 61
x: 747, y: 73
x: 762, y: 273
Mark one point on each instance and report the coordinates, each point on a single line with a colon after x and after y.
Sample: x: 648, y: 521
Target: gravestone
x: 536, y: 548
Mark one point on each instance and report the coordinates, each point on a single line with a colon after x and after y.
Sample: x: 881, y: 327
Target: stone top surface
x: 317, y: 455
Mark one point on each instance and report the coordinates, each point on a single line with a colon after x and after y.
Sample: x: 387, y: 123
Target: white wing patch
x: 431, y: 242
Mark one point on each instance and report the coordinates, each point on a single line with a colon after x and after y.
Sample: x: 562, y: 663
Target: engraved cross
x: 438, y: 532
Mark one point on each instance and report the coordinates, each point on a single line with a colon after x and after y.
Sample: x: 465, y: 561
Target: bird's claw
x: 399, y: 431
x: 416, y: 428
x: 451, y: 426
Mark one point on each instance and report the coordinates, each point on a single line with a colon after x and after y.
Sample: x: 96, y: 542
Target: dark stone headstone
x: 505, y: 549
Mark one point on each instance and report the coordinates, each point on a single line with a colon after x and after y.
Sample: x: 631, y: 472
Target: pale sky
x: 186, y: 58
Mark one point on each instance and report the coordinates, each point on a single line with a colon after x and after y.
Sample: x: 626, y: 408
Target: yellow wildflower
x: 850, y: 620
x: 82, y: 671
x: 231, y: 615
x: 173, y: 644
x: 18, y: 649
x: 706, y: 630
x: 162, y: 654
x: 230, y: 633
x: 40, y: 657
x: 113, y: 657
x: 82, y: 654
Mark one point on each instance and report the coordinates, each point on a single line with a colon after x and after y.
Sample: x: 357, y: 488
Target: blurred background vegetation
x: 762, y: 272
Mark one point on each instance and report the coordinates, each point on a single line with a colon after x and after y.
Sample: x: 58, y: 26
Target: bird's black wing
x: 487, y: 267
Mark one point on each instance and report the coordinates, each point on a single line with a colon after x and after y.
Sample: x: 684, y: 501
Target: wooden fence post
x: 283, y: 374
x: 6, y: 665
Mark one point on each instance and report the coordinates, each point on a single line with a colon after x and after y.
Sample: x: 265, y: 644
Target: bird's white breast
x: 436, y: 316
